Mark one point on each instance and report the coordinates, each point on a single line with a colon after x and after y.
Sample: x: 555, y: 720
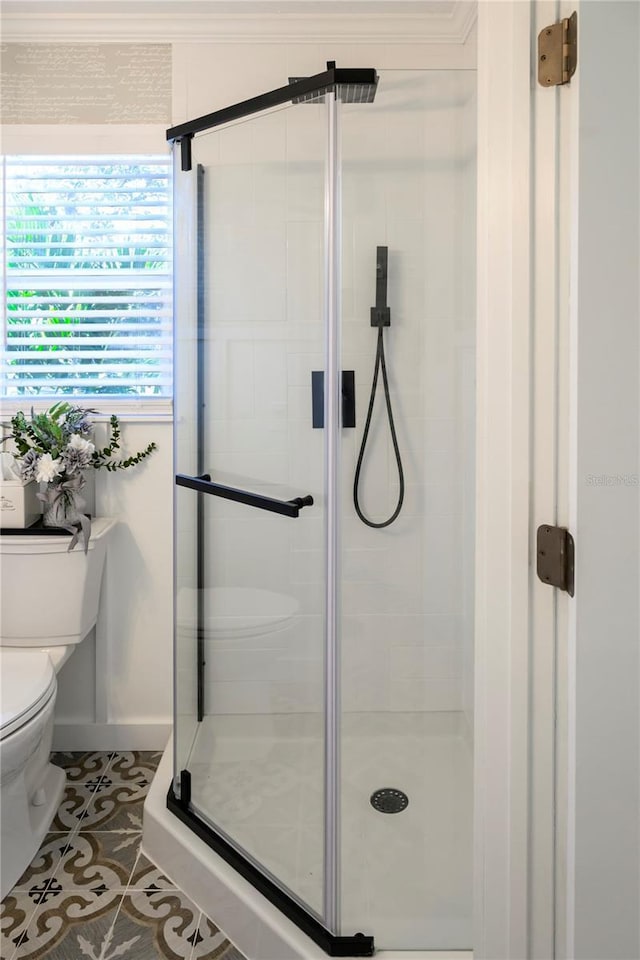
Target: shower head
x: 316, y: 96
x: 358, y: 90
x: 352, y: 86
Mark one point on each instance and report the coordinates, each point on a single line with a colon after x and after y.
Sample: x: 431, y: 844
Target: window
x: 88, y: 277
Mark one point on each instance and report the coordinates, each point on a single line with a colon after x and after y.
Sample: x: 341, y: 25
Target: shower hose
x: 380, y: 364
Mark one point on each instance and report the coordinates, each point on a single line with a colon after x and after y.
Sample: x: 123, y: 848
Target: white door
x: 558, y: 682
x: 601, y: 842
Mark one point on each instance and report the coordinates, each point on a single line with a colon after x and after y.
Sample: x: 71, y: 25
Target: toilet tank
x: 47, y: 595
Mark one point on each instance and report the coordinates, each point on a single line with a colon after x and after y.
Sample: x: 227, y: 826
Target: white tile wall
x: 407, y: 590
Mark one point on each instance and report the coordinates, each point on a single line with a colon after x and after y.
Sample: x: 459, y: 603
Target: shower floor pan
x: 407, y: 878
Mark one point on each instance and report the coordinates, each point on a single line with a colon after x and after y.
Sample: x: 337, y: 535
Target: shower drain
x: 389, y: 800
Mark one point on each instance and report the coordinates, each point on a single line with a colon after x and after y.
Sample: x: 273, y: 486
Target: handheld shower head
x: 380, y: 318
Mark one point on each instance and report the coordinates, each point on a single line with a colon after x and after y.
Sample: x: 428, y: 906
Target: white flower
x: 48, y: 468
x: 79, y: 443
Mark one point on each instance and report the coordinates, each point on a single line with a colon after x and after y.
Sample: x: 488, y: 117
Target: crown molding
x: 240, y: 21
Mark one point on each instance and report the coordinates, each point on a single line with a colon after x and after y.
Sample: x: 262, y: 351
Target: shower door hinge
x: 185, y: 789
x: 558, y: 52
x: 555, y: 551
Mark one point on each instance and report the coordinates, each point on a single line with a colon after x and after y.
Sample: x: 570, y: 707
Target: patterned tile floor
x: 89, y: 893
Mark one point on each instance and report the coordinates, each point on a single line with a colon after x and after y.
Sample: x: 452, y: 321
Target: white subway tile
x: 269, y: 192
x: 426, y: 663
x: 236, y: 144
x: 364, y: 565
x: 268, y: 138
x: 240, y: 394
x: 306, y: 137
x: 229, y: 198
x: 305, y: 261
x: 404, y: 629
x: 306, y: 566
x: 270, y: 377
x: 305, y: 191
x: 425, y: 695
x: 263, y: 697
x: 300, y: 365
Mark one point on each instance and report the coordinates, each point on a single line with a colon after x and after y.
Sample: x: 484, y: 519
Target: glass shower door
x: 324, y: 635
x: 408, y: 190
x: 250, y: 499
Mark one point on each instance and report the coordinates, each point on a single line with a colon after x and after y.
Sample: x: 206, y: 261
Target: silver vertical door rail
x: 332, y: 420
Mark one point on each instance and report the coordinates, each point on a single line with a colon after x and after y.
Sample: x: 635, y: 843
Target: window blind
x: 87, y: 276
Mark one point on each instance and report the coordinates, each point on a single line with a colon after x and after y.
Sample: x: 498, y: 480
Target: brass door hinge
x: 558, y: 52
x: 555, y: 551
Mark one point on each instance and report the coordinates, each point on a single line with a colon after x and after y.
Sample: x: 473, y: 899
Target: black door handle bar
x: 204, y: 484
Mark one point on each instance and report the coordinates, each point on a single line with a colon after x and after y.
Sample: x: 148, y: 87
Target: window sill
x: 127, y: 411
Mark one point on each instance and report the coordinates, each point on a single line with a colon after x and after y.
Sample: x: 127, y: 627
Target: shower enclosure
x: 324, y: 665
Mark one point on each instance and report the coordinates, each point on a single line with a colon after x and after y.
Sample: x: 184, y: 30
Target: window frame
x: 129, y: 408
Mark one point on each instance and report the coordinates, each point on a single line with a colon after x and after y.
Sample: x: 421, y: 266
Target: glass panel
x: 407, y: 589
x: 185, y: 452
x: 186, y: 629
x: 256, y: 761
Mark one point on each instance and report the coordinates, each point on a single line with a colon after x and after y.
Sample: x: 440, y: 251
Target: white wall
x: 115, y: 691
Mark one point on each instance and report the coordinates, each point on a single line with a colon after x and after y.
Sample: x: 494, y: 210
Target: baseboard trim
x: 111, y: 736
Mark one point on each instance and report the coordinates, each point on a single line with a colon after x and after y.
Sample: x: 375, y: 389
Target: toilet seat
x: 233, y: 613
x: 28, y: 683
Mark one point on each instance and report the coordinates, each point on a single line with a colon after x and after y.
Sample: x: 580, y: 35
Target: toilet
x: 49, y: 603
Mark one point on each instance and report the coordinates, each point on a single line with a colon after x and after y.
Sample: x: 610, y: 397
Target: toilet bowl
x: 30, y: 786
x: 49, y: 602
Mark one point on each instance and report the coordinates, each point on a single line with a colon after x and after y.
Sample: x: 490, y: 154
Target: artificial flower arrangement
x: 55, y: 448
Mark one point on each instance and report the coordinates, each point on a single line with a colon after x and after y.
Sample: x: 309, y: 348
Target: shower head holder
x: 381, y: 314
x: 380, y: 317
